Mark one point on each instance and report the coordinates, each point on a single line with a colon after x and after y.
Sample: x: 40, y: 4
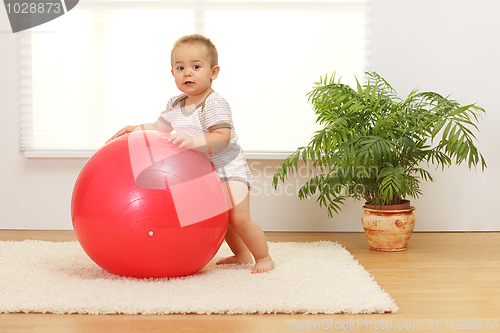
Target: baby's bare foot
x: 263, y: 265
x: 235, y: 260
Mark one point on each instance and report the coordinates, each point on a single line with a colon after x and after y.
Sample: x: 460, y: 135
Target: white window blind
x: 106, y: 64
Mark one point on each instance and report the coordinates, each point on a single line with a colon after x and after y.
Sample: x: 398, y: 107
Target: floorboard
x: 444, y: 282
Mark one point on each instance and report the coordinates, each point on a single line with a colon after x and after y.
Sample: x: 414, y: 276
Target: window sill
x: 85, y: 154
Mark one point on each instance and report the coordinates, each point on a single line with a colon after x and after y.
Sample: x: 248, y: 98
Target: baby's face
x: 192, y: 69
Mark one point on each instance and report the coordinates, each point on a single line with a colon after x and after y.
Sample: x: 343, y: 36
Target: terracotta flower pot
x: 388, y: 228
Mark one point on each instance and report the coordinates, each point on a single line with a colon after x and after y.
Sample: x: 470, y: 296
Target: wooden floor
x: 444, y: 282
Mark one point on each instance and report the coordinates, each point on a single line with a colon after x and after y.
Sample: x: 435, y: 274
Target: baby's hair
x: 196, y: 38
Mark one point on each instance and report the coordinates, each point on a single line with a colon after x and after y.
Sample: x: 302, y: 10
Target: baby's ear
x: 215, y: 72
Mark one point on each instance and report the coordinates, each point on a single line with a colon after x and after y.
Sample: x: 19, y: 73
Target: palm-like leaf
x: 373, y: 143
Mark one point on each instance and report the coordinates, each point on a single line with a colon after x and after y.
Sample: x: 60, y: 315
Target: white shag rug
x: 318, y: 277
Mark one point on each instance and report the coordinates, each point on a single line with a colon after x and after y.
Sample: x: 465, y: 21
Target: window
x: 106, y: 64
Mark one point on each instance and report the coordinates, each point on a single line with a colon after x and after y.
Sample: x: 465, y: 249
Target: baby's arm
x: 217, y: 140
x: 156, y: 126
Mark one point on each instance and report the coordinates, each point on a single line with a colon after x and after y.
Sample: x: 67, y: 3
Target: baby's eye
x: 180, y: 68
x: 196, y: 66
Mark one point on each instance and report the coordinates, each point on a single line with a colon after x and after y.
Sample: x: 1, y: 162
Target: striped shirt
x: 213, y: 113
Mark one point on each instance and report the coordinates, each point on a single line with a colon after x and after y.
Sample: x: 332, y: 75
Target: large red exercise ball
x: 143, y: 207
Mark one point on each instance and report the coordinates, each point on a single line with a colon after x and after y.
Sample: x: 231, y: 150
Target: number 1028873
x: 471, y: 324
x: 34, y: 7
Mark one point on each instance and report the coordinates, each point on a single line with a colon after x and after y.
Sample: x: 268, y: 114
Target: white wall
x: 449, y: 46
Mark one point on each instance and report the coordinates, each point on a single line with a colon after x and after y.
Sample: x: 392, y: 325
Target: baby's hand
x: 125, y: 130
x: 183, y: 140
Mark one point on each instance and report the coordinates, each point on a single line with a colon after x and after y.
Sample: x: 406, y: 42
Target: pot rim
x: 403, y: 207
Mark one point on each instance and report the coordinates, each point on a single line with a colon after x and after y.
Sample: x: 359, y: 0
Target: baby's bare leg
x: 241, y: 253
x: 246, y: 232
x: 254, y: 238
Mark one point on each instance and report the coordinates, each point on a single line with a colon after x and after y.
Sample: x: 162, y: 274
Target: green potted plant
x: 374, y: 146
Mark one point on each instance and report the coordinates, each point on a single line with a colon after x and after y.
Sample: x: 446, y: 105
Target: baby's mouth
x: 189, y: 83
